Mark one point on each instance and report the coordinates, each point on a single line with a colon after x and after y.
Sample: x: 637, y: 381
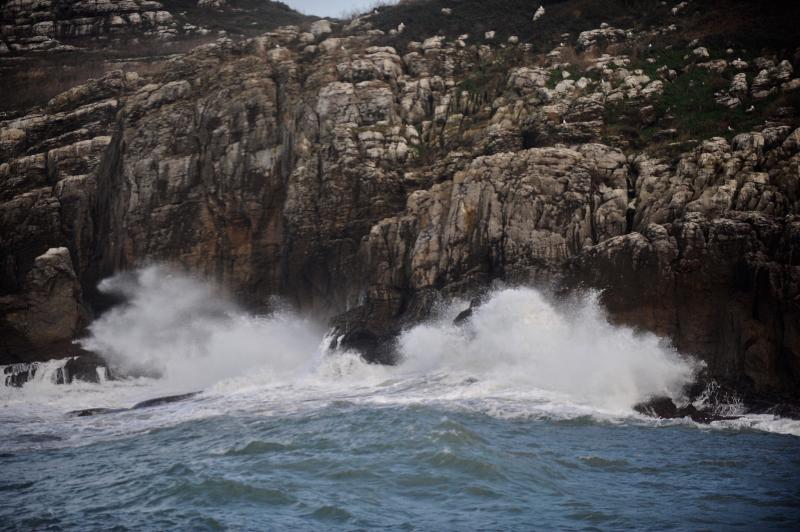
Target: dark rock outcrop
x: 49, y: 307
x: 86, y: 367
x: 665, y: 408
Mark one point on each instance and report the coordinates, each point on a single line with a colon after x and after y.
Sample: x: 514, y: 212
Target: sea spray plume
x: 175, y: 327
x: 517, y: 340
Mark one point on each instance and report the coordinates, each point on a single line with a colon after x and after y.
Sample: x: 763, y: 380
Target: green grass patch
x: 688, y: 105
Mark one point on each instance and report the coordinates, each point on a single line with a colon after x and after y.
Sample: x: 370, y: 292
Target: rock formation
x: 49, y: 307
x: 362, y: 176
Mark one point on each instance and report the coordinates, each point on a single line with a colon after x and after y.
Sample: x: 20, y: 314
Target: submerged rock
x: 150, y: 403
x: 159, y: 401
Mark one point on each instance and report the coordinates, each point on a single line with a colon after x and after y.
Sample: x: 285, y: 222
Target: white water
x: 518, y: 355
x: 38, y: 374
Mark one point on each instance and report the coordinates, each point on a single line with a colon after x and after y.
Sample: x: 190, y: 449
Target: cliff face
x: 362, y: 181
x: 50, y: 26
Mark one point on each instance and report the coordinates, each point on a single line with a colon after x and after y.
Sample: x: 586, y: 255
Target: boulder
x: 49, y: 309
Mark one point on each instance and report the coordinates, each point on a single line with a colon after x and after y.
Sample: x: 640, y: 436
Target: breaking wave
x: 518, y: 354
x: 180, y: 330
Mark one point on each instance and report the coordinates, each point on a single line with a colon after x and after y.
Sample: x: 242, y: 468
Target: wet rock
x: 159, y: 401
x: 466, y: 314
x: 49, y: 309
x: 86, y: 367
x: 661, y: 407
x: 150, y: 403
x: 87, y: 412
x: 665, y: 408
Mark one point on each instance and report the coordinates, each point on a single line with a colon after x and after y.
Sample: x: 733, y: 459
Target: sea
x: 520, y: 418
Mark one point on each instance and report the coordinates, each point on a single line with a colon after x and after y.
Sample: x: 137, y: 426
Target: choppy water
x: 521, y: 420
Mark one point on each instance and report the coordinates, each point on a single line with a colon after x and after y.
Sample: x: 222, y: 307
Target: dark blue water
x: 351, y: 466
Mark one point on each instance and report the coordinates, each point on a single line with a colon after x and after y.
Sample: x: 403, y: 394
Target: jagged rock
x: 601, y: 36
x: 791, y: 86
x: 212, y: 3
x: 739, y: 84
x: 739, y: 64
x: 363, y: 183
x: 784, y: 71
x: 665, y: 408
x: 433, y: 43
x: 679, y: 7
x: 763, y: 84
x: 443, y: 231
x: 49, y: 309
x: 56, y: 21
x: 320, y: 28
x: 718, y: 65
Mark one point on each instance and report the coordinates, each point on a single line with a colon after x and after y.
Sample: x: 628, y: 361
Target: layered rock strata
x: 364, y: 182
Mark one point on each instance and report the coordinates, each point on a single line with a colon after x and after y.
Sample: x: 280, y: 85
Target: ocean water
x: 521, y: 419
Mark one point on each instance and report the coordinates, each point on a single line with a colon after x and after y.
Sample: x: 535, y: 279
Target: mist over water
x: 182, y: 331
x: 518, y: 340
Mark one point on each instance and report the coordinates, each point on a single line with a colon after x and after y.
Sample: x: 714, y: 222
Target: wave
x: 179, y: 329
x: 517, y: 355
x: 518, y: 340
x: 182, y: 331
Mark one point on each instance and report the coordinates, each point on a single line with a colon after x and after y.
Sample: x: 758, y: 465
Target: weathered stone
x: 49, y: 307
x: 361, y: 184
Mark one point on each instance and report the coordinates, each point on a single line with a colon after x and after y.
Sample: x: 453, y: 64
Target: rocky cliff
x: 363, y: 170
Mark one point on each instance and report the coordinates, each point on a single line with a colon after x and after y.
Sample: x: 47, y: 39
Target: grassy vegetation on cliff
x: 739, y: 23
